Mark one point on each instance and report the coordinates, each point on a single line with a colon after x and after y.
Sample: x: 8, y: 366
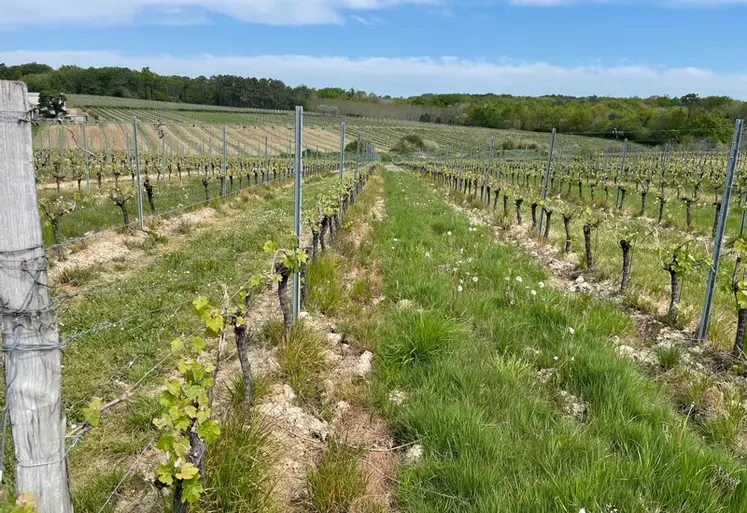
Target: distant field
x: 191, y: 128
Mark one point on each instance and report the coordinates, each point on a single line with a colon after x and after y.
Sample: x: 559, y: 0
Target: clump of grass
x: 325, y: 285
x: 77, y: 276
x: 152, y: 241
x: 418, y: 337
x: 336, y: 483
x: 184, y: 228
x: 301, y: 360
x: 234, y: 390
x: 727, y: 424
x: 476, y: 203
x: 362, y: 291
x: 273, y: 332
x: 141, y: 412
x: 239, y: 468
x: 92, y: 495
x: 669, y: 357
x: 693, y: 391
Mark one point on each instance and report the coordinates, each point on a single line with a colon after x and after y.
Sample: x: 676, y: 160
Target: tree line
x: 222, y: 90
x: 653, y: 120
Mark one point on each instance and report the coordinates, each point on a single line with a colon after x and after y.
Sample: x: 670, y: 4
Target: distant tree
x: 52, y: 104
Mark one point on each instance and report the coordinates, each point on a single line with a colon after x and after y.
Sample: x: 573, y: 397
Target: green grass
x: 301, y: 361
x: 336, y: 483
x: 239, y: 467
x: 325, y: 285
x: 97, y: 212
x: 151, y: 308
x: 496, y: 438
x: 669, y: 357
x: 92, y: 496
x: 650, y: 284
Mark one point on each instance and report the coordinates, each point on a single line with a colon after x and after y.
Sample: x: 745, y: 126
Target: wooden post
x: 33, y: 357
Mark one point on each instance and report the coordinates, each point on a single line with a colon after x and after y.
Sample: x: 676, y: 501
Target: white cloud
x: 24, y: 13
x: 19, y: 13
x: 416, y: 75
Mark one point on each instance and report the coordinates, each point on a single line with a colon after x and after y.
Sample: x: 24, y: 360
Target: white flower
x: 582, y: 510
x: 461, y: 281
x: 395, y: 240
x: 427, y: 254
x: 459, y: 288
x: 519, y: 279
x: 555, y: 358
x: 571, y: 330
x: 507, y: 278
x: 475, y: 279
x: 541, y: 284
x: 534, y: 292
x: 448, y: 233
x: 461, y: 251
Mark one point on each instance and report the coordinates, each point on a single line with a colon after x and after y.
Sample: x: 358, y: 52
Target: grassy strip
x: 97, y: 212
x: 650, y: 284
x: 108, y: 362
x: 518, y: 399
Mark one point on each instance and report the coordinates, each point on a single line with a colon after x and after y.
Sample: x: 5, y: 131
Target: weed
x: 362, y: 291
x: 417, y: 337
x: 77, y: 276
x: 325, y: 286
x: 238, y: 468
x: 141, y: 412
x: 726, y: 425
x: 234, y: 390
x: 301, y: 359
x: 669, y: 356
x: 184, y: 228
x: 92, y: 495
x: 336, y: 483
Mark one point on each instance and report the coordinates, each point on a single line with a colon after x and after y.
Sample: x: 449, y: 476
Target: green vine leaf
x: 165, y: 474
x: 191, y: 490
x: 209, y: 431
x: 92, y: 413
x: 187, y: 472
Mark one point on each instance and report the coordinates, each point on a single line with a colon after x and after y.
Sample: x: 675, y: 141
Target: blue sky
x: 402, y: 47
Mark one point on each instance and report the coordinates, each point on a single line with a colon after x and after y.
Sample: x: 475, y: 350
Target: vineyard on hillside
x: 492, y: 321
x: 185, y: 120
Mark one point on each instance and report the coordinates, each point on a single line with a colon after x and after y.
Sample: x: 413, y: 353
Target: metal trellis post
x: 88, y: 166
x: 546, y: 181
x: 490, y: 169
x: 137, y: 174
x: 342, y: 150
x: 720, y: 227
x: 622, y: 170
x: 298, y: 202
